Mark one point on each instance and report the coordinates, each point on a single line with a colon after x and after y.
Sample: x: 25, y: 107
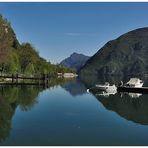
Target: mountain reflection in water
x: 54, y: 115
x: 75, y: 87
x: 131, y: 106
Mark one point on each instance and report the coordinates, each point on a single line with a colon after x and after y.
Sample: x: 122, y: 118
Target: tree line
x: 22, y: 58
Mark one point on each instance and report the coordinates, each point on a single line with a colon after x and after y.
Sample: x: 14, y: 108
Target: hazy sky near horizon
x: 57, y: 29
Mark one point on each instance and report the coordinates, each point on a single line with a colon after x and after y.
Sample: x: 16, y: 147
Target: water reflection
x: 133, y: 95
x: 10, y: 98
x: 24, y: 97
x: 131, y: 106
x: 62, y: 113
x: 75, y: 87
x: 6, y: 112
x: 106, y: 94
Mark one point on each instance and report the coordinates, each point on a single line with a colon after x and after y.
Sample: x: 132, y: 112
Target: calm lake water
x: 65, y: 114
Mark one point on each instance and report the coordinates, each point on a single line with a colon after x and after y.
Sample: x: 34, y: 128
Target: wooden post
x: 47, y: 78
x: 2, y: 91
x: 12, y: 78
x: 43, y: 79
x: 16, y: 78
x: 39, y: 79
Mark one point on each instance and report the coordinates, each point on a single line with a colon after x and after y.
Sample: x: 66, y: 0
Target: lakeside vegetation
x: 22, y: 58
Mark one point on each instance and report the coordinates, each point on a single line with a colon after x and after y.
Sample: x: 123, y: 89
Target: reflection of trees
x: 27, y: 97
x: 133, y: 109
x: 6, y: 113
x: 10, y: 98
x: 23, y: 96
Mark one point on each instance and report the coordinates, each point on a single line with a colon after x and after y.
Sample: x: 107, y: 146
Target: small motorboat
x: 134, y: 85
x: 106, y: 87
x: 103, y: 87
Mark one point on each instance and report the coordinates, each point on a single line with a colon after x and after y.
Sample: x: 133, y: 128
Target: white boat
x: 111, y: 89
x: 134, y: 82
x: 107, y: 87
x: 103, y: 87
x: 104, y: 90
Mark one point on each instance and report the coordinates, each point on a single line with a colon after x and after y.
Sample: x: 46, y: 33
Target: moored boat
x: 133, y: 85
x: 103, y: 87
x: 106, y: 87
x: 134, y: 82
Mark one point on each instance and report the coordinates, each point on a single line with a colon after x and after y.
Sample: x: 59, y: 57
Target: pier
x: 20, y: 80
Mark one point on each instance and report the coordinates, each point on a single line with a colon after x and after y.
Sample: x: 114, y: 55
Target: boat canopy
x: 133, y: 81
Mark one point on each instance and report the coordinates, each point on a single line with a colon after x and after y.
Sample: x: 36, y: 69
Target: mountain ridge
x: 125, y: 55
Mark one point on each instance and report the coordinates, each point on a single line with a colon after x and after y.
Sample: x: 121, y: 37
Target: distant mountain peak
x: 75, y: 61
x: 76, y: 54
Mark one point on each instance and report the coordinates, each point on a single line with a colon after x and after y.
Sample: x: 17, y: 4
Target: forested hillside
x: 126, y: 55
x: 22, y: 58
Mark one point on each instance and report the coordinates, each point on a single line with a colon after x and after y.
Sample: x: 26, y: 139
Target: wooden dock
x: 20, y: 83
x: 143, y: 90
x: 19, y: 80
x: 43, y: 76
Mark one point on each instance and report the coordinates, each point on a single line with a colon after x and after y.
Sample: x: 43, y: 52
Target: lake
x: 66, y: 114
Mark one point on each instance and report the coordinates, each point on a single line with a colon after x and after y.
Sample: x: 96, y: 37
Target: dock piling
x: 12, y: 78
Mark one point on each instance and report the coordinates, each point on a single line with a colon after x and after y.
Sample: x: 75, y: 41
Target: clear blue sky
x: 58, y: 29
